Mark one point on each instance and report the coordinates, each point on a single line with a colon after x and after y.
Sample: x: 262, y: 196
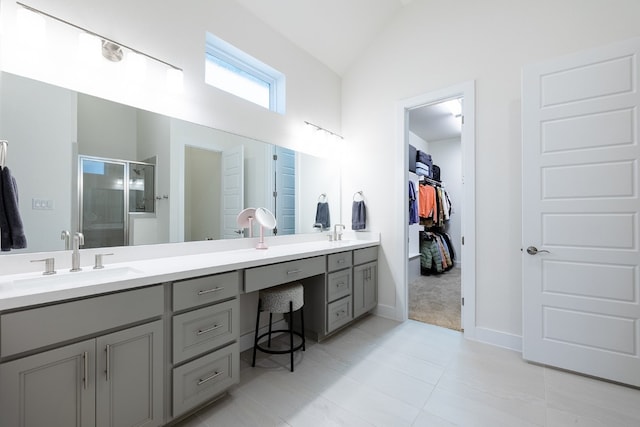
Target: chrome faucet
x: 66, y: 236
x: 78, y: 239
x: 336, y: 235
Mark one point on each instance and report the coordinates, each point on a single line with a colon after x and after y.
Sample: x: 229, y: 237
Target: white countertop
x: 26, y: 289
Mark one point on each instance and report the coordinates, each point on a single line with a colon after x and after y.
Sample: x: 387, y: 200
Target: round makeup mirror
x: 245, y: 220
x: 266, y: 220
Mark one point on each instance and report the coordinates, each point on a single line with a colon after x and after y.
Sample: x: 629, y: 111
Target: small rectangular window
x: 234, y: 71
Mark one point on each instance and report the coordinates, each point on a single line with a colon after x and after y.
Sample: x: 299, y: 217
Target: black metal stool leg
x: 304, y: 340
x: 270, y: 322
x: 255, y: 340
x: 291, y: 332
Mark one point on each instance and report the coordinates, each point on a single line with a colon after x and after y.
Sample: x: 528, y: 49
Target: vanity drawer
x: 360, y: 256
x: 338, y: 284
x: 202, y: 379
x: 38, y: 327
x: 339, y: 313
x: 202, y: 330
x: 339, y: 261
x: 204, y: 290
x: 257, y: 278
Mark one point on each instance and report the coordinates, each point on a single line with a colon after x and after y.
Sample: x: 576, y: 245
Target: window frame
x: 225, y: 52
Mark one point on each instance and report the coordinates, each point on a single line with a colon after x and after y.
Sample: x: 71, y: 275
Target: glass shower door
x: 103, y: 198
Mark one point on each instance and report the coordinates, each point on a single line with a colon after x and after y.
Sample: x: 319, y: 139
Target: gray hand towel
x: 322, y: 215
x: 358, y: 216
x: 5, y: 232
x: 13, y: 230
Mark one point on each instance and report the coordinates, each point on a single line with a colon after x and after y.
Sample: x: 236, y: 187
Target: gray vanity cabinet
x: 103, y: 379
x: 365, y: 288
x: 50, y: 388
x: 339, y: 301
x: 365, y: 280
x: 129, y: 373
x: 113, y: 380
x: 205, y: 333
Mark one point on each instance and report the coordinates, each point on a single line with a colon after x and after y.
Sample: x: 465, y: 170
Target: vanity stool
x: 286, y: 298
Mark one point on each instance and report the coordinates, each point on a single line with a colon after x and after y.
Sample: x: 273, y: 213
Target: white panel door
x: 232, y: 190
x: 580, y: 203
x: 285, y: 201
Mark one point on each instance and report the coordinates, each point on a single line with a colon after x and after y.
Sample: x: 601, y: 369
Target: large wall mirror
x: 202, y: 177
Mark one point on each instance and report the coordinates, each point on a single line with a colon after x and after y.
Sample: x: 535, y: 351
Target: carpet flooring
x: 436, y: 299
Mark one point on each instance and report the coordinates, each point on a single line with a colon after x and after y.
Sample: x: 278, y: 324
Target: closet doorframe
x: 465, y: 90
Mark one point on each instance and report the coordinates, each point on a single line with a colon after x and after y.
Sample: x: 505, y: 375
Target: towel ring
x: 322, y: 197
x: 358, y: 193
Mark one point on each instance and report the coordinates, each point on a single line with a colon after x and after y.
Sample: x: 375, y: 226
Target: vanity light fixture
x: 111, y: 50
x: 320, y: 128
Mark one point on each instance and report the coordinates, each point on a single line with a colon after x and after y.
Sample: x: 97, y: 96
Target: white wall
x: 432, y: 45
x: 29, y: 117
x: 309, y: 186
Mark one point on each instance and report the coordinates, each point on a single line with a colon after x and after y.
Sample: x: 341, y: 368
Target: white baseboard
x: 386, y: 311
x: 246, y: 340
x: 497, y: 338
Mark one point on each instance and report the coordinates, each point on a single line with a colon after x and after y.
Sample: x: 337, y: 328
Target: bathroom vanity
x: 150, y: 341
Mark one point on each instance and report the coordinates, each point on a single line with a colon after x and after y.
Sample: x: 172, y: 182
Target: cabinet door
x: 129, y: 377
x: 365, y: 288
x: 54, y: 388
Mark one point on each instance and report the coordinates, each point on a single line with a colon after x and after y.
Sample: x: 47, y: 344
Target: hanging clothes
x: 436, y: 254
x: 413, y: 204
x: 427, y: 207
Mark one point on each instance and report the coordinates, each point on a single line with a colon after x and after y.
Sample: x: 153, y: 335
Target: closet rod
x: 431, y: 181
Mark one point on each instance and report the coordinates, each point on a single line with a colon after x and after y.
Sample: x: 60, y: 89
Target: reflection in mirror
x: 203, y: 177
x: 111, y: 193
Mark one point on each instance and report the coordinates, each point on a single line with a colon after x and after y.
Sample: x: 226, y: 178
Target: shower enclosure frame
x: 126, y: 165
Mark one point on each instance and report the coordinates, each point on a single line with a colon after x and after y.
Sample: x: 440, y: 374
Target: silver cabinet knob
x: 532, y: 250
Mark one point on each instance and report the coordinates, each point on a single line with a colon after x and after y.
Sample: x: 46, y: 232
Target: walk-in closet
x: 435, y: 195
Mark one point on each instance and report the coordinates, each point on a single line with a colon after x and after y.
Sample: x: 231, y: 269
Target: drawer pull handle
x: 341, y: 261
x: 341, y: 313
x: 85, y: 363
x: 204, y: 380
x: 204, y: 331
x: 107, y: 372
x: 208, y: 291
x: 290, y: 272
x: 340, y: 285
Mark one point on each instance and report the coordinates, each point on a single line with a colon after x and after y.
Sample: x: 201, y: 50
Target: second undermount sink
x: 78, y: 278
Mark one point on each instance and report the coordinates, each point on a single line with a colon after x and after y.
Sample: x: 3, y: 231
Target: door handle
x: 532, y: 250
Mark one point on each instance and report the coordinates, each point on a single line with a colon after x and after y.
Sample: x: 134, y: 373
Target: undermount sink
x: 77, y: 278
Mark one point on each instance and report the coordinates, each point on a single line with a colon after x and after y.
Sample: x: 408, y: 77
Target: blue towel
x: 358, y: 215
x: 322, y: 215
x: 12, y: 233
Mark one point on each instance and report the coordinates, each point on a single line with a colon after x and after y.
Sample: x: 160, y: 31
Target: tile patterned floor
x: 383, y: 373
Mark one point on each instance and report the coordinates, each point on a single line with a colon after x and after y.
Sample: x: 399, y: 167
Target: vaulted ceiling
x: 336, y: 32
x: 333, y: 31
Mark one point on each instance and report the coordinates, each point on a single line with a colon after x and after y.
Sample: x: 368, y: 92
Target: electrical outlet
x: 42, y: 204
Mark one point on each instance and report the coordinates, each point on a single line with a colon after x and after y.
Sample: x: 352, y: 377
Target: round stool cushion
x: 276, y: 299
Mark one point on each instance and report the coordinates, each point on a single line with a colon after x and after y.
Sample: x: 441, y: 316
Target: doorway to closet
x: 438, y: 135
x: 435, y: 175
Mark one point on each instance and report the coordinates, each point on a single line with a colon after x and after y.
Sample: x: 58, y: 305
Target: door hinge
x: 463, y: 240
x: 275, y: 194
x: 275, y: 157
x: 462, y: 301
x: 462, y: 117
